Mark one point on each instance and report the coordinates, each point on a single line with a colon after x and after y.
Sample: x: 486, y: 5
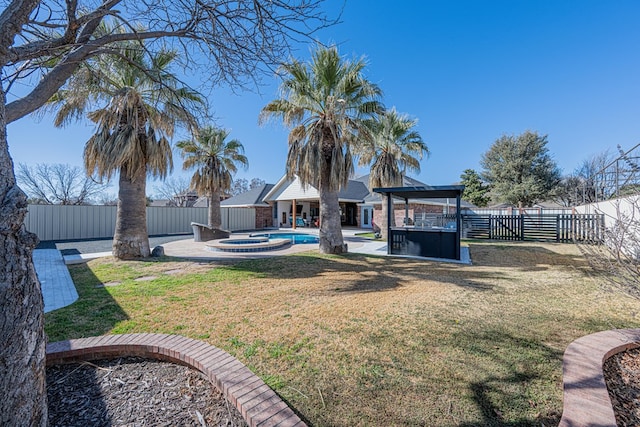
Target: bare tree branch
x: 170, y: 189
x: 58, y: 184
x: 614, y: 252
x: 231, y: 41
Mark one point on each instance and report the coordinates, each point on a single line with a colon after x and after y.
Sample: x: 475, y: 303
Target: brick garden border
x: 586, y: 399
x: 259, y: 405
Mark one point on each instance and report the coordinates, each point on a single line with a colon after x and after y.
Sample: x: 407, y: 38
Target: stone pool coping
x: 260, y: 244
x: 586, y: 399
x: 259, y: 405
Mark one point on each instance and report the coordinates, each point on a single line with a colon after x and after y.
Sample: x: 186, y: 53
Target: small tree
x: 475, y: 191
x: 520, y: 169
x: 215, y: 160
x: 392, y: 148
x: 58, y: 184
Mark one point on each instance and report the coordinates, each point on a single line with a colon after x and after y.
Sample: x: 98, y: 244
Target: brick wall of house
x: 264, y: 217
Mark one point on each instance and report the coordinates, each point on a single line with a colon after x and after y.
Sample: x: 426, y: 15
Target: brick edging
x: 586, y: 399
x: 256, y: 401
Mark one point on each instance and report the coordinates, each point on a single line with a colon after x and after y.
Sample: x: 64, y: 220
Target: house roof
x: 253, y: 197
x: 290, y: 189
x: 202, y: 202
x: 356, y: 191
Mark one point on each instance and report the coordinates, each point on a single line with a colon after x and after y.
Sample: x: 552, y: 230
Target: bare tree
x: 170, y: 189
x: 569, y: 191
x: 42, y: 43
x: 255, y: 183
x: 591, y: 173
x: 239, y: 186
x: 58, y: 184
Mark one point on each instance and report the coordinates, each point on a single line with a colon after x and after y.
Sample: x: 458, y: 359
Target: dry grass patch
x: 359, y: 340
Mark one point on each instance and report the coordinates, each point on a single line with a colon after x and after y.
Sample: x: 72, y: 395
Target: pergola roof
x: 424, y: 192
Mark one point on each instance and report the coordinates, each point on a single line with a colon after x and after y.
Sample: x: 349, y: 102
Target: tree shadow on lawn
x: 509, y: 367
x: 95, y: 312
x: 370, y: 273
x: 365, y: 273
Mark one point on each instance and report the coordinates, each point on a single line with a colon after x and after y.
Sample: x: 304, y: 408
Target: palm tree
x: 324, y: 102
x: 394, y: 148
x: 139, y: 104
x: 215, y: 160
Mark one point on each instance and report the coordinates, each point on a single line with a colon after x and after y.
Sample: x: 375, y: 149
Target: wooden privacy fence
x: 60, y: 222
x: 559, y: 228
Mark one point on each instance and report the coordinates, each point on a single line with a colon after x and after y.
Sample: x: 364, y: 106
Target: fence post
x: 490, y: 227
x: 521, y: 227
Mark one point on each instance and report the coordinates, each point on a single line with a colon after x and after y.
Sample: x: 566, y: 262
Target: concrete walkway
x: 59, y: 291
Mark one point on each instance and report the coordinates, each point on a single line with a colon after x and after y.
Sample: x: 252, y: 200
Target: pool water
x: 296, y: 238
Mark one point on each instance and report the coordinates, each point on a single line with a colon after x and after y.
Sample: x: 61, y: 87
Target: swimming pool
x: 259, y: 242
x: 296, y: 238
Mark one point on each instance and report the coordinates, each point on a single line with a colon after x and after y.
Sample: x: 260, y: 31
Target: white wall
x: 622, y: 222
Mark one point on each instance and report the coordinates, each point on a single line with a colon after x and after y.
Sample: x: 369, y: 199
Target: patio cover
x: 424, y: 192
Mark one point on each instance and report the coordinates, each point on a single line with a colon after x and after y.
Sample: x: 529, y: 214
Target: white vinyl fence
x: 58, y: 222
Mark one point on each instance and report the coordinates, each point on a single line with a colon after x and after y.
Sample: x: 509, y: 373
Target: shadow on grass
x: 508, y: 386
x: 364, y: 273
x: 368, y: 273
x: 94, y: 313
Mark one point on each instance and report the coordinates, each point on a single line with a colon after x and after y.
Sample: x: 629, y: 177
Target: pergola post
x: 458, y: 226
x: 293, y: 209
x: 406, y: 211
x: 389, y: 214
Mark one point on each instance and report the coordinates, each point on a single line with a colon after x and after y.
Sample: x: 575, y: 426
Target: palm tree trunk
x: 22, y: 339
x: 384, y: 220
x: 330, y: 233
x: 131, y: 239
x: 215, y: 217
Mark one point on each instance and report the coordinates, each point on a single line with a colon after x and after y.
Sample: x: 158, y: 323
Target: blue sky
x: 469, y: 71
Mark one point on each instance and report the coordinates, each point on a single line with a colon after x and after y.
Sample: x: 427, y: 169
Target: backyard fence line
x: 64, y: 222
x: 537, y: 211
x: 564, y: 228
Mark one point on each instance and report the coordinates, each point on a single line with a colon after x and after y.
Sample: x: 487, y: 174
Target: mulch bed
x: 132, y: 391
x: 622, y: 375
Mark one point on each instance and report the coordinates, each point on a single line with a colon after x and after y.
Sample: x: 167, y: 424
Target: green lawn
x: 358, y: 340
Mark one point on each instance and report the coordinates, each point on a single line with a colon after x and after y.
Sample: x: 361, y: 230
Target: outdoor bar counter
x: 424, y: 242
